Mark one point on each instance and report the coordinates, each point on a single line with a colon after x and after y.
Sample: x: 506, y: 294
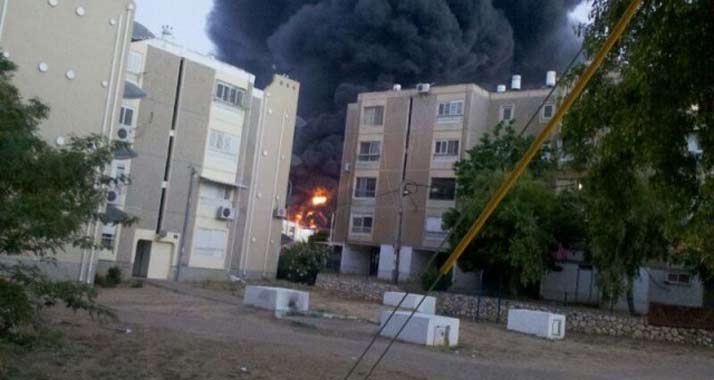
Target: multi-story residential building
x: 71, y: 55
x: 209, y: 183
x: 407, y: 142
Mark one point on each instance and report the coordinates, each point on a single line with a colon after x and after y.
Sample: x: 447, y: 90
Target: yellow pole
x: 542, y: 136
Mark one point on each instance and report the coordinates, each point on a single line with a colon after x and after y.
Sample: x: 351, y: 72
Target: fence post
x: 498, y: 309
x: 478, y: 306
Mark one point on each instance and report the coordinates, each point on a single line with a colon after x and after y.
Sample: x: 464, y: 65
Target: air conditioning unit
x: 280, y: 213
x: 226, y: 213
x: 423, y: 88
x: 348, y: 166
x: 113, y: 196
x: 124, y: 133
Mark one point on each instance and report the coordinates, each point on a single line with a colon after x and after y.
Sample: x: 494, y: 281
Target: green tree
x: 649, y: 196
x: 521, y: 236
x: 48, y: 195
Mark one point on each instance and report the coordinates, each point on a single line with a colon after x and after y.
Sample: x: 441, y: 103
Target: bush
x: 302, y: 262
x: 25, y: 291
x: 430, y: 275
x: 114, y: 276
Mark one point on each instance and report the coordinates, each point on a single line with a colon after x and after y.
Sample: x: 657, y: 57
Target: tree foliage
x: 302, y: 262
x: 48, y: 195
x: 520, y: 238
x: 649, y: 196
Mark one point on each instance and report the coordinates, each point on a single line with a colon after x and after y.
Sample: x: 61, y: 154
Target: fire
x: 319, y: 197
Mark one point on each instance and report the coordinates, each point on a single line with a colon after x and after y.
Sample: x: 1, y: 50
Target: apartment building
x: 407, y: 141
x: 210, y: 180
x: 71, y: 55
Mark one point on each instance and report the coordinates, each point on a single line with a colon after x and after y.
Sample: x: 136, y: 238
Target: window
x: 679, y: 278
x: 229, y: 94
x: 134, y: 62
x: 108, y: 241
x: 366, y: 187
x: 443, y: 189
x: 210, y: 243
x: 507, y: 113
x: 433, y: 229
x: 215, y: 195
x: 222, y: 142
x: 548, y: 111
x: 446, y: 148
x: 452, y: 108
x: 369, y: 151
x: 373, y: 116
x: 362, y: 224
x: 126, y: 116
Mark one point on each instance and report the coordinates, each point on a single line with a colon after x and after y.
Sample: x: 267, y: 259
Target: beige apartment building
x: 408, y: 141
x: 70, y: 54
x: 210, y: 180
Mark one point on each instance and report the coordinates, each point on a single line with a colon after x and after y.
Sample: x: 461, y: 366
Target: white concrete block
x: 278, y: 299
x: 426, y: 329
x: 539, y: 323
x: 411, y: 302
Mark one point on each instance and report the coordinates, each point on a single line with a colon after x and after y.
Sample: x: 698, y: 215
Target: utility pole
x: 402, y: 192
x: 184, y: 228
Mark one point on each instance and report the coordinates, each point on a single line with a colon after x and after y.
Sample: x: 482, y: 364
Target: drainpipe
x: 184, y: 228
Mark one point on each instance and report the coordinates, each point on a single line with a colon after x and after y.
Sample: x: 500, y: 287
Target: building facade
x: 71, y: 55
x: 210, y: 180
x: 407, y: 142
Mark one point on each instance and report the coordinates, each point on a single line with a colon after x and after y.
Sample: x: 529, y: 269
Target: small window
x: 443, y: 189
x: 108, y: 241
x: 134, y: 62
x: 548, y: 111
x: 679, y: 278
x: 366, y: 187
x: 362, y: 224
x: 507, y: 113
x: 229, y: 94
x: 453, y: 108
x: 374, y: 116
x: 210, y: 243
x: 126, y: 116
x: 446, y: 148
x: 369, y: 151
x: 433, y: 229
x: 222, y: 142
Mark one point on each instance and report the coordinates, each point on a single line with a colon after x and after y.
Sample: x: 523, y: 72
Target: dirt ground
x: 168, y: 331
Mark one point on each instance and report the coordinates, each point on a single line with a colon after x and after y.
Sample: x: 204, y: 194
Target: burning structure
x: 339, y: 48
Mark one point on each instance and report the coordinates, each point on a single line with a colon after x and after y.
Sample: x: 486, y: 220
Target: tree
x: 520, y: 238
x: 631, y: 133
x: 48, y: 195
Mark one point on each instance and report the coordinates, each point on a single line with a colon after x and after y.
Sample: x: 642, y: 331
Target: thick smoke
x: 338, y: 48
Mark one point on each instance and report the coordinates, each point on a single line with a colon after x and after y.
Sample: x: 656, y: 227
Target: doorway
x: 141, y: 261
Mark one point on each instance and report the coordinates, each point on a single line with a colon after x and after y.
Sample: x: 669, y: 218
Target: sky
x: 188, y: 18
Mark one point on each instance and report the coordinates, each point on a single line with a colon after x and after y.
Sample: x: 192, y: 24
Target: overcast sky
x: 188, y: 18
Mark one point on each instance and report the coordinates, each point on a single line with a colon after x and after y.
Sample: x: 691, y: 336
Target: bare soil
x: 171, y: 331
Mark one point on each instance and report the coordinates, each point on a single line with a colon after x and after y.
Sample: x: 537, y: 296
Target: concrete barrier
x: 411, y: 302
x: 426, y: 329
x: 539, y: 323
x: 278, y: 299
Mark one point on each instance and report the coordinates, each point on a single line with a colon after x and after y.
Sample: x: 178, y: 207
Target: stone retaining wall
x: 579, y: 320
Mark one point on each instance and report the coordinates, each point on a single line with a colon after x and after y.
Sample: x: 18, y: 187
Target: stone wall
x: 588, y: 321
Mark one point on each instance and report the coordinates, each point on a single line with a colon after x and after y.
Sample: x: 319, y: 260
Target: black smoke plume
x: 338, y: 48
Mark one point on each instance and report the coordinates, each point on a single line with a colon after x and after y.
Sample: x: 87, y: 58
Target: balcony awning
x: 221, y: 182
x: 132, y: 91
x: 113, y: 215
x: 125, y: 152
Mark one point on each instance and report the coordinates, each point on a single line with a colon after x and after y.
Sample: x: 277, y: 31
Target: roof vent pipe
x: 501, y: 88
x: 397, y: 87
x: 550, y: 78
x: 516, y: 82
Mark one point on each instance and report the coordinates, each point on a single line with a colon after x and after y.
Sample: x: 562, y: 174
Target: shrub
x: 302, y: 262
x: 431, y: 273
x: 25, y: 291
x: 113, y: 276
